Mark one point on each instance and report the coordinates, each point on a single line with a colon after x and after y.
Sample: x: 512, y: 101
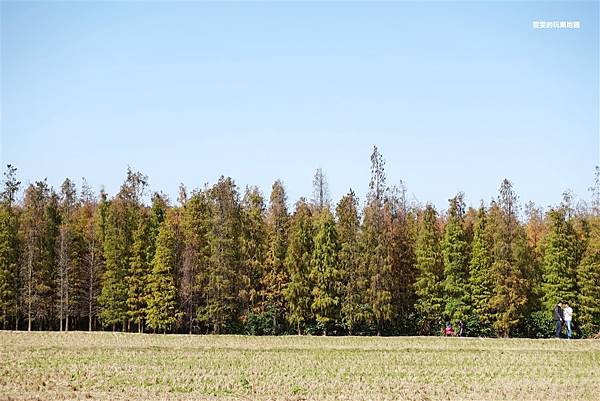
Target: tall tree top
x: 507, y: 199
x: 87, y: 194
x: 377, y: 184
x: 595, y: 190
x: 134, y: 187
x: 347, y: 209
x: 278, y: 200
x: 68, y: 195
x: 11, y: 185
x: 321, y: 198
x: 182, y: 197
x: 457, y: 206
x: 253, y: 199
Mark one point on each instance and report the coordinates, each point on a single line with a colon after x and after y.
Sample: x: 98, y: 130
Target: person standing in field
x: 558, y: 318
x: 568, y: 317
x: 461, y: 328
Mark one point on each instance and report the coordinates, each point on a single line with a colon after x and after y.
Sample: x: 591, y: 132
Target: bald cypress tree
x: 588, y: 281
x: 139, y: 269
x: 456, y: 262
x: 221, y: 306
x: 509, y: 269
x: 560, y: 261
x: 122, y: 219
x: 354, y: 279
x: 325, y: 272
x: 254, y: 249
x: 162, y: 312
x: 117, y: 243
x: 9, y: 249
x: 430, y: 269
x: 320, y: 198
x: 298, y: 264
x: 68, y: 284
x: 89, y: 222
x: 375, y: 248
x: 399, y: 238
x: 143, y: 249
x: 9, y: 272
x: 276, y: 276
x: 480, y: 279
x: 39, y: 230
x: 196, y: 226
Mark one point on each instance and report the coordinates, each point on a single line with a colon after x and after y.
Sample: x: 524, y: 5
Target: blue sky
x: 457, y: 95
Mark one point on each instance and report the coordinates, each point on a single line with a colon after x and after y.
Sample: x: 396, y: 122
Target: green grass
x: 52, y: 366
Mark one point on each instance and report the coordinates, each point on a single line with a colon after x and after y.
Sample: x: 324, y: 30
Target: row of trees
x: 222, y: 262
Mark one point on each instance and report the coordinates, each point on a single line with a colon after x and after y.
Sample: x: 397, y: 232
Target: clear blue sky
x: 457, y: 95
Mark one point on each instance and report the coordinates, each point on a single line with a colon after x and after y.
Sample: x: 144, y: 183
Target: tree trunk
x: 67, y: 303
x: 91, y: 288
x: 29, y: 315
x: 61, y: 272
x: 29, y: 292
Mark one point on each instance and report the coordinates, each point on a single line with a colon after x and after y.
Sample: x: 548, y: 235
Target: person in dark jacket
x: 558, y: 318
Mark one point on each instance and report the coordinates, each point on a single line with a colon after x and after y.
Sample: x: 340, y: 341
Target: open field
x: 49, y: 366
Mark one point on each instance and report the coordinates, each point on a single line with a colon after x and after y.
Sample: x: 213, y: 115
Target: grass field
x: 51, y: 366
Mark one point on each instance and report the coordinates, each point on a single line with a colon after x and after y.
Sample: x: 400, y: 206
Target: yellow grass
x: 54, y: 366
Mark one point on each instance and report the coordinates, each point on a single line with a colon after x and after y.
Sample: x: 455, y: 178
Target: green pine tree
x: 143, y: 250
x: 275, y: 277
x: 40, y: 224
x: 9, y: 249
x: 196, y: 227
x: 113, y: 295
x: 69, y: 255
x: 254, y: 249
x: 162, y: 312
x: 480, y: 281
x: 588, y: 281
x: 325, y: 272
x: 456, y: 262
x: 375, y: 248
x: 399, y: 239
x: 353, y: 278
x: 137, y: 277
x: 221, y: 302
x: 9, y: 265
x: 428, y: 286
x: 88, y: 222
x: 511, y: 262
x: 122, y: 219
x: 297, y: 292
x: 560, y: 261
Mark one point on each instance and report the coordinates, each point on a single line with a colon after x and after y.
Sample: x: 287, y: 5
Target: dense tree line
x: 219, y: 261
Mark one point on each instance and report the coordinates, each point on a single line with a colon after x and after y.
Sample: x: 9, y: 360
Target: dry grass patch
x: 60, y: 366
